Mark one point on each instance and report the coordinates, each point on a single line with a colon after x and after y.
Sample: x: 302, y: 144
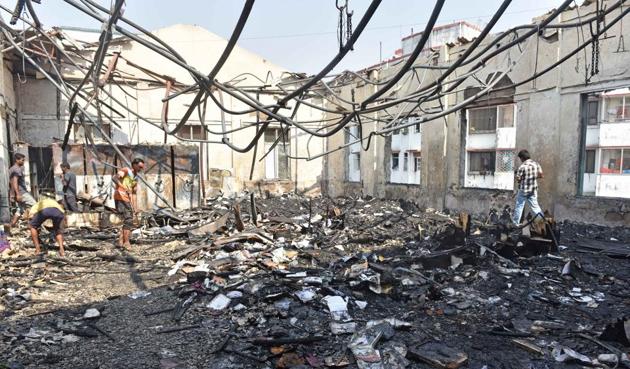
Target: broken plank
x: 528, y: 346
x: 210, y: 227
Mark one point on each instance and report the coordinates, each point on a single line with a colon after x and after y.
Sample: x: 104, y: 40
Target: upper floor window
x: 488, y: 119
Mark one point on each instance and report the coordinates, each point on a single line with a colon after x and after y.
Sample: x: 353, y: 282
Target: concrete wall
x: 547, y: 124
x: 7, y: 135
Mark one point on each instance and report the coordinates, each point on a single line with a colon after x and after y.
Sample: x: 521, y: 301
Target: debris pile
x: 291, y: 282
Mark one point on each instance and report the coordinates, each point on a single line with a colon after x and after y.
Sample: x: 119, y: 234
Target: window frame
x: 405, y: 161
x: 278, y: 152
x: 417, y: 161
x: 395, y: 160
x: 497, y: 109
x: 604, y: 104
x: 621, y: 150
x: 586, y: 161
x: 188, y: 128
x: 480, y: 172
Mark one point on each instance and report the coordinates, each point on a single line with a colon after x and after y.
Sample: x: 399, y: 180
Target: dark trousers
x: 70, y: 203
x: 125, y: 210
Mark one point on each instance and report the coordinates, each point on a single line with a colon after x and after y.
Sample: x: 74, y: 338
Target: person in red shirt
x: 126, y: 181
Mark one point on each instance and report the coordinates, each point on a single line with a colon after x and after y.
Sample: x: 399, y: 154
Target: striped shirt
x: 527, y: 175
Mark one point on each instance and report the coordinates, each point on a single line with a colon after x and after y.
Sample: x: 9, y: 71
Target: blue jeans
x: 521, y: 198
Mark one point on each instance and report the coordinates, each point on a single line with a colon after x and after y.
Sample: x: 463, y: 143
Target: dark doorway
x: 42, y: 173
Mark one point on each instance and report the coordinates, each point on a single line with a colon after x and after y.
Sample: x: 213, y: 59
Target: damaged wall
x: 548, y: 124
x: 8, y: 135
x: 220, y: 169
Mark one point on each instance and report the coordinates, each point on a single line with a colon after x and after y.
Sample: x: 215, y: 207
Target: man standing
x: 527, y: 178
x: 18, y: 191
x: 43, y: 210
x: 69, y: 181
x: 124, y: 196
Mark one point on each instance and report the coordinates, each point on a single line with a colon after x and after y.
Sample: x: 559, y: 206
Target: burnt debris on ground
x: 298, y: 282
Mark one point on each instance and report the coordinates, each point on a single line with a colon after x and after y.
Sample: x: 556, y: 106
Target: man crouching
x: 43, y: 210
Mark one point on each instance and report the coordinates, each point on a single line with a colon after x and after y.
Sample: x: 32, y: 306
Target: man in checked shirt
x: 527, y: 178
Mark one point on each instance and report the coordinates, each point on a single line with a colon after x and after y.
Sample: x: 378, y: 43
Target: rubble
x: 366, y: 283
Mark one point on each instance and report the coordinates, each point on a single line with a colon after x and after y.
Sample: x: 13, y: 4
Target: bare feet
x: 127, y: 246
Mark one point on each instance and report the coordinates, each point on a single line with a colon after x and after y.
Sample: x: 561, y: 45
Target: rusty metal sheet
x: 157, y: 158
x: 73, y: 156
x: 101, y: 163
x: 163, y: 183
x: 187, y: 191
x: 187, y: 179
x: 186, y: 159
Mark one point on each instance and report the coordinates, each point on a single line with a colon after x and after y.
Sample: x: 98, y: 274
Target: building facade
x: 182, y: 170
x: 573, y: 119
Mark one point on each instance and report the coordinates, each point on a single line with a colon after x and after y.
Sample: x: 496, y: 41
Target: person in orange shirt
x: 126, y: 181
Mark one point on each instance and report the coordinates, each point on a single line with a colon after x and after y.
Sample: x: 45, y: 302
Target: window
x: 590, y: 161
x: 481, y: 162
x: 485, y: 120
x: 611, y: 161
x: 615, y: 109
x: 404, y: 144
x: 416, y: 161
x: 592, y: 112
x: 354, y: 154
x: 395, y: 159
x: 605, y: 169
x: 482, y: 119
x: 625, y: 163
x: 356, y: 158
x: 506, y: 116
x: 277, y: 161
x: 490, y: 147
x: 192, y: 132
x: 615, y: 161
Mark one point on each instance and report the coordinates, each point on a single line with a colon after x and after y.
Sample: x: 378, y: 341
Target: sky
x: 300, y: 35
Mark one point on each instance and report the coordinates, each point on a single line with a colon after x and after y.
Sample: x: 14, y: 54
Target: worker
x: 18, y: 192
x: 124, y: 197
x: 527, y: 177
x: 45, y: 209
x: 69, y: 181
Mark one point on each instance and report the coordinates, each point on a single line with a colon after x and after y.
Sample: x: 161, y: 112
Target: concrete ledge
x: 92, y: 220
